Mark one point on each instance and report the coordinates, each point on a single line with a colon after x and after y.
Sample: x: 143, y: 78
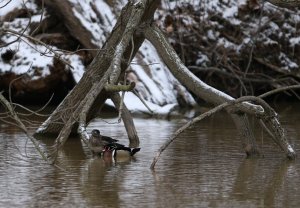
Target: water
x: 204, y: 167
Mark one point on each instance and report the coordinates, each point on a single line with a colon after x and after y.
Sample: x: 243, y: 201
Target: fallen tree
x: 136, y: 21
x: 104, y: 77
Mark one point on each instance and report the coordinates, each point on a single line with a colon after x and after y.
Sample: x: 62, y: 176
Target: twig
x: 56, y: 55
x: 8, y: 106
x: 5, y: 4
x: 41, y: 18
x: 279, y: 90
x: 142, y: 100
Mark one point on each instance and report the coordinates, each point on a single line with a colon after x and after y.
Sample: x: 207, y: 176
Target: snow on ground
x: 275, y: 26
x: 26, y: 59
x: 7, y: 6
x: 159, y: 81
x: 33, y: 59
x: 78, y: 67
x: 154, y: 82
x: 96, y: 21
x: 136, y: 106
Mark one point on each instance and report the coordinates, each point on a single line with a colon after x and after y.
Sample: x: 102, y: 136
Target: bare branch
x: 281, y: 89
x: 128, y: 121
x: 202, y: 90
x: 56, y: 54
x: 118, y: 88
x: 7, y: 105
x: 270, y: 113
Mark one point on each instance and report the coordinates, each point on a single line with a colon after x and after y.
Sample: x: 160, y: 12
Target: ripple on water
x: 204, y: 167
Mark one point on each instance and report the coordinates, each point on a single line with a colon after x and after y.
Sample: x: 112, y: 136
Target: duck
x: 95, y: 142
x: 108, y: 147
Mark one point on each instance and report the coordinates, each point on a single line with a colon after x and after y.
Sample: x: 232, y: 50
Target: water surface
x: 204, y: 167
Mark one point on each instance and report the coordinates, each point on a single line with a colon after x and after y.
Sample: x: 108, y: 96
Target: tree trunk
x: 64, y: 10
x: 127, y: 120
x: 89, y: 88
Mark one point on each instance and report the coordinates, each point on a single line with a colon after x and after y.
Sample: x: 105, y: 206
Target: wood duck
x: 108, y: 146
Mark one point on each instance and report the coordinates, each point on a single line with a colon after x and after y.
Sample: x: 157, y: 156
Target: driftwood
x: 106, y: 66
x: 134, y: 22
x: 269, y: 113
x: 107, y: 69
x: 167, y: 53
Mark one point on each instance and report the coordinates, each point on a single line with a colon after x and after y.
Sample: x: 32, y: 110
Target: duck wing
x: 115, y: 146
x: 107, y: 140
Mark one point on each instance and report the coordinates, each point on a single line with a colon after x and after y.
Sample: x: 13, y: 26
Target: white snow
x: 27, y: 58
x: 211, y: 35
x: 90, y: 19
x: 230, y: 12
x: 202, y: 59
x: 154, y: 82
x: 136, y: 106
x: 287, y: 62
x: 295, y: 41
x: 78, y: 67
x: 7, y: 6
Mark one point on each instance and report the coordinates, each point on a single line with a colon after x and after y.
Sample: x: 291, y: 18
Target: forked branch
x: 270, y: 114
x: 216, y: 97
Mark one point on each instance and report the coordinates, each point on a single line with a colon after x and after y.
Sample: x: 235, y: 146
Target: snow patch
x: 136, y: 106
x: 78, y: 67
x: 294, y: 41
x: 95, y: 20
x: 7, y: 6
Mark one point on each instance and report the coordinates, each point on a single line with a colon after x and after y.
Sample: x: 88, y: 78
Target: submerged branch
x: 216, y: 97
x: 270, y: 115
x: 204, y: 91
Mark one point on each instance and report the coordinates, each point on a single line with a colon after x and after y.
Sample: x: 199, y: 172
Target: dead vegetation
x: 247, y: 53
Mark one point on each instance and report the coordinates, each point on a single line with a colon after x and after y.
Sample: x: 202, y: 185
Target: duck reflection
x: 98, y: 177
x: 101, y: 180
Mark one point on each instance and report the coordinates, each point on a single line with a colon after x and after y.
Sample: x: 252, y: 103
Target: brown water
x: 204, y: 167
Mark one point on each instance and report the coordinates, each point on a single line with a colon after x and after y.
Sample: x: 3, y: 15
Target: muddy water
x: 204, y: 167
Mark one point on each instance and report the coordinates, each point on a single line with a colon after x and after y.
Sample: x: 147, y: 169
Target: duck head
x: 95, y: 133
